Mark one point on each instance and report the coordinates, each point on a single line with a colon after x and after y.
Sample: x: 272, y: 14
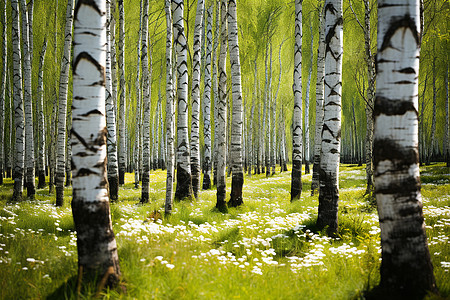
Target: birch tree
x: 97, y: 248
x: 184, y: 180
x: 63, y: 86
x: 137, y: 141
x: 2, y: 93
x: 207, y: 104
x: 41, y: 118
x: 19, y: 122
x: 308, y: 86
x: 122, y: 93
x: 406, y: 269
x: 28, y: 105
x: 319, y: 102
x: 146, y: 107
x: 236, y: 126
x: 111, y: 137
x: 170, y: 117
x: 195, y: 95
x: 329, y: 162
x: 296, y: 179
x: 221, y: 121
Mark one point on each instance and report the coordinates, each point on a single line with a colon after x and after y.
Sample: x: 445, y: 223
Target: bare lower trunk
x: 122, y: 93
x: 41, y: 118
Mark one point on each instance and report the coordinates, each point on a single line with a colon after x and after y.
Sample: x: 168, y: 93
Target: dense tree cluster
x: 226, y: 112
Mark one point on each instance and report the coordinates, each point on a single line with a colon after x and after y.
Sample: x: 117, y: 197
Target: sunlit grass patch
x: 267, y: 249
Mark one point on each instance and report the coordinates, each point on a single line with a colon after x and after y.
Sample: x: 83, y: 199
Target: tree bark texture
x: 195, y: 95
x: 2, y: 94
x: 41, y: 118
x: 122, y: 93
x: 19, y: 122
x: 237, y: 180
x: 221, y: 121
x: 184, y: 180
x: 146, y: 108
x: 28, y: 105
x: 331, y: 132
x: 406, y: 269
x: 296, y: 178
x: 62, y: 115
x: 207, y: 104
x: 97, y: 248
x: 319, y: 103
x: 111, y: 137
x: 170, y: 114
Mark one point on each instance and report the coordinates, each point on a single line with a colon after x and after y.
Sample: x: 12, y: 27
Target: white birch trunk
x: 406, y: 269
x: 111, y: 137
x: 221, y: 121
x: 331, y: 133
x: 236, y: 126
x: 63, y: 86
x: 319, y: 103
x: 28, y: 105
x: 146, y: 108
x: 2, y: 94
x: 170, y: 117
x: 184, y: 180
x: 97, y: 248
x: 195, y: 95
x: 122, y: 93
x: 19, y: 122
x: 296, y: 180
x: 446, y: 147
x: 207, y: 104
x: 308, y: 86
x: 137, y: 128
x: 41, y: 118
x: 215, y: 87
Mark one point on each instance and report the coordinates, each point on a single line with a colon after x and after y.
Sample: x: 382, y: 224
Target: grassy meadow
x: 266, y: 249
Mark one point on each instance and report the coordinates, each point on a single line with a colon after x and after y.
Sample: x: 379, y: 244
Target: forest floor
x: 266, y: 249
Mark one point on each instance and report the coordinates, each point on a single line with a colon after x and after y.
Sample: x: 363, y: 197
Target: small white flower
x: 159, y: 258
x: 31, y: 260
x: 170, y: 266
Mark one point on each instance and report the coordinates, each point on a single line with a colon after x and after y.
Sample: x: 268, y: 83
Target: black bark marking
x: 407, y: 71
x: 184, y: 184
x: 90, y: 3
x: 296, y: 180
x: 390, y: 107
x: 237, y: 182
x: 92, y: 112
x: 89, y: 58
x: 85, y: 172
x: 395, y: 24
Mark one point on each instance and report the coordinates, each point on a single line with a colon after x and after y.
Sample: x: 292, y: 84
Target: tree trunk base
x: 328, y: 207
x: 31, y: 190
x: 206, y: 181
x: 121, y: 177
x: 8, y: 172
x: 113, y: 188
x: 221, y: 204
x: 1, y: 176
x: 307, y: 170
x: 145, y: 196
x: 59, y: 193
x: 17, y: 193
x: 41, y: 179
x: 236, y: 190
x: 184, y: 185
x: 68, y: 179
x: 296, y: 180
x: 195, y: 170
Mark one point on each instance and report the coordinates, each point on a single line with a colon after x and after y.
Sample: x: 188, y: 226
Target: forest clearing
x: 266, y: 249
x: 222, y: 149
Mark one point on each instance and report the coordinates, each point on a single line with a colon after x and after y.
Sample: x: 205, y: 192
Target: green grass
x: 267, y: 249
